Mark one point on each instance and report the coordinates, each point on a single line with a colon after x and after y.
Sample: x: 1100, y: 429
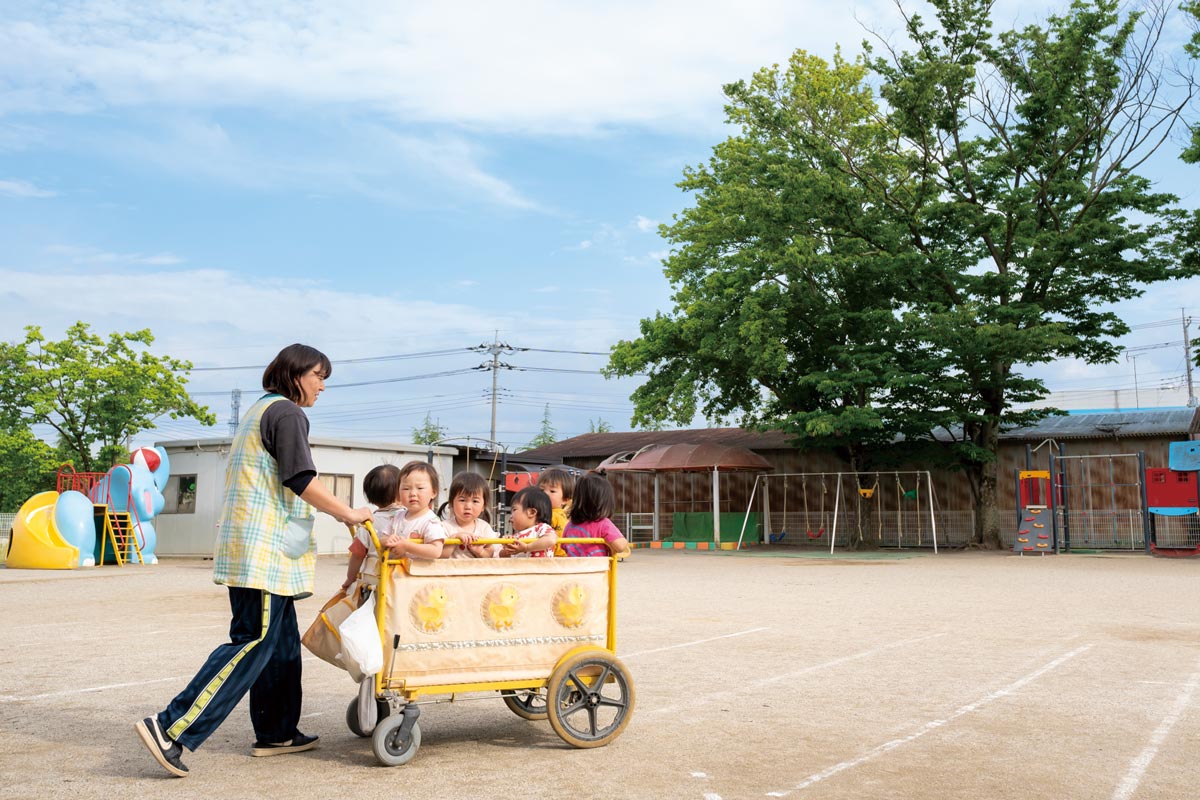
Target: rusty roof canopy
x: 685, y: 458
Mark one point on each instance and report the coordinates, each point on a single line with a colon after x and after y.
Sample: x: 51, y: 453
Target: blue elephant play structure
x: 93, y: 518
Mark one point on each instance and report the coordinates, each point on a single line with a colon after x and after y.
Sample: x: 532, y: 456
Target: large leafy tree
x: 858, y: 270
x: 27, y: 466
x: 95, y: 393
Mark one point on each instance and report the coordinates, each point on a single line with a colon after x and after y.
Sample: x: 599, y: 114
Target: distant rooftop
x: 1164, y: 422
x: 1144, y: 422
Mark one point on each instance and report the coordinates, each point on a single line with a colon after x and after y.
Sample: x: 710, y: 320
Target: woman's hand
x: 355, y: 516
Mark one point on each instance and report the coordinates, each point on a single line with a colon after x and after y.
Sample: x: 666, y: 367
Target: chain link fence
x: 6, y: 523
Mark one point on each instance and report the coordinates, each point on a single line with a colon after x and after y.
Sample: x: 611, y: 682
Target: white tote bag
x: 361, y: 645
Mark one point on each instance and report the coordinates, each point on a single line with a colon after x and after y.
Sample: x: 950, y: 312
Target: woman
x: 266, y: 557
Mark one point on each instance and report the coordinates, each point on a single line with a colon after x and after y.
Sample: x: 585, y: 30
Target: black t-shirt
x: 284, y: 431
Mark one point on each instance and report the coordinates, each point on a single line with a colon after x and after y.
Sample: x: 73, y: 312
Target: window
x: 180, y: 495
x: 340, y: 486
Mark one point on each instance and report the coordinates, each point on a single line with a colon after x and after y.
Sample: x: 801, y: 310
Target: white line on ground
x: 755, y: 686
x: 10, y: 698
x: 932, y: 725
x: 13, y: 698
x: 691, y: 644
x: 1138, y: 767
x: 105, y: 636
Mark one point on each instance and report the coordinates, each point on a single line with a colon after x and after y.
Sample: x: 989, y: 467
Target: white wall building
x: 196, y: 489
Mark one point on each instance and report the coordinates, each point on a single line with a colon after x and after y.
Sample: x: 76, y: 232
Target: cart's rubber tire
x: 390, y: 752
x: 526, y: 703
x: 383, y: 709
x: 590, y: 697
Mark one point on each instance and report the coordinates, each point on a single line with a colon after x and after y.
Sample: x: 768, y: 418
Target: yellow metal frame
x: 109, y: 535
x: 387, y: 565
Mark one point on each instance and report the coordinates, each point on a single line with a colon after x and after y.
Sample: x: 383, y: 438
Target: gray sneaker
x: 164, y: 749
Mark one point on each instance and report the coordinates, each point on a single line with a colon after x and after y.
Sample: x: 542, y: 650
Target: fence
x: 6, y: 523
x: 1119, y: 530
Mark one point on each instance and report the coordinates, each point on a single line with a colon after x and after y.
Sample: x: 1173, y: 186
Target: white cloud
x: 219, y: 318
x: 365, y: 159
x: 645, y: 224
x: 525, y: 65
x: 93, y: 256
x: 23, y: 189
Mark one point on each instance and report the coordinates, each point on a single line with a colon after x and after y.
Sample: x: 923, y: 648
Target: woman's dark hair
x: 283, y: 375
x: 593, y: 499
x: 469, y: 483
x: 534, y: 499
x: 557, y: 476
x: 381, y: 485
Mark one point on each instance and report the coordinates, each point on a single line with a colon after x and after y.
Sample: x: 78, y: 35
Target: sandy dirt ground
x: 759, y: 674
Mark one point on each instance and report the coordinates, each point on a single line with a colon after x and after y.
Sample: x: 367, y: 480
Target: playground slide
x: 36, y: 542
x: 1033, y: 531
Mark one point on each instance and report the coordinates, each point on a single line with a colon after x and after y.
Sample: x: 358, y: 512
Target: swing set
x: 913, y: 515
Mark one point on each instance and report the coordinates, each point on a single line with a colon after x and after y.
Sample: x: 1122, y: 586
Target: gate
x: 1101, y: 502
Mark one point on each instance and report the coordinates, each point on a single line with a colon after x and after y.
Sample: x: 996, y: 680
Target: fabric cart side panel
x: 470, y: 621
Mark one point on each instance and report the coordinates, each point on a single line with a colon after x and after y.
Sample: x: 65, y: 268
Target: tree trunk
x: 987, y: 509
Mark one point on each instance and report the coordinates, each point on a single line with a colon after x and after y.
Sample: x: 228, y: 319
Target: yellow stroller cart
x: 541, y: 632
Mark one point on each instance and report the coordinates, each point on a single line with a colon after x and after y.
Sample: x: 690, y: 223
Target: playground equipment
x: 1172, y: 495
x: 1100, y: 501
x: 93, y: 517
x: 1035, y: 510
x: 539, y: 633
x: 53, y: 532
x: 862, y: 486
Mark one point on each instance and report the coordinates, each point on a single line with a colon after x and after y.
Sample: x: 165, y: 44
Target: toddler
x: 530, y: 517
x: 559, y: 484
x: 591, y: 508
x: 414, y: 520
x: 466, y: 519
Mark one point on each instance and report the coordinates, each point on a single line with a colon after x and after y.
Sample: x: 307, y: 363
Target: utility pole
x: 494, y: 349
x: 235, y: 405
x: 1137, y: 403
x: 1187, y: 356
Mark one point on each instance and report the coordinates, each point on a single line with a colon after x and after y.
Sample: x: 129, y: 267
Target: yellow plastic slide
x: 36, y: 543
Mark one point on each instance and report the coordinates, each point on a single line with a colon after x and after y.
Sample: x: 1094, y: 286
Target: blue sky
x: 380, y: 178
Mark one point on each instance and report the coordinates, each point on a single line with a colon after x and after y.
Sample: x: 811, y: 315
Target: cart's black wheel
x: 590, y: 698
x: 526, y: 703
x: 382, y: 710
x: 389, y: 747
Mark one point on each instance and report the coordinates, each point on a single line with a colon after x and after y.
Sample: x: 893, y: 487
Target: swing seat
x: 817, y: 535
x: 776, y: 538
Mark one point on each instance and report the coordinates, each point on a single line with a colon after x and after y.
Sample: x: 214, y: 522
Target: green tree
x: 599, y: 426
x: 96, y: 394
x: 852, y: 272
x: 430, y: 431
x: 27, y: 466
x: 546, y: 435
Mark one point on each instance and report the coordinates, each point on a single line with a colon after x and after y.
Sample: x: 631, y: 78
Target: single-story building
x: 195, y: 490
